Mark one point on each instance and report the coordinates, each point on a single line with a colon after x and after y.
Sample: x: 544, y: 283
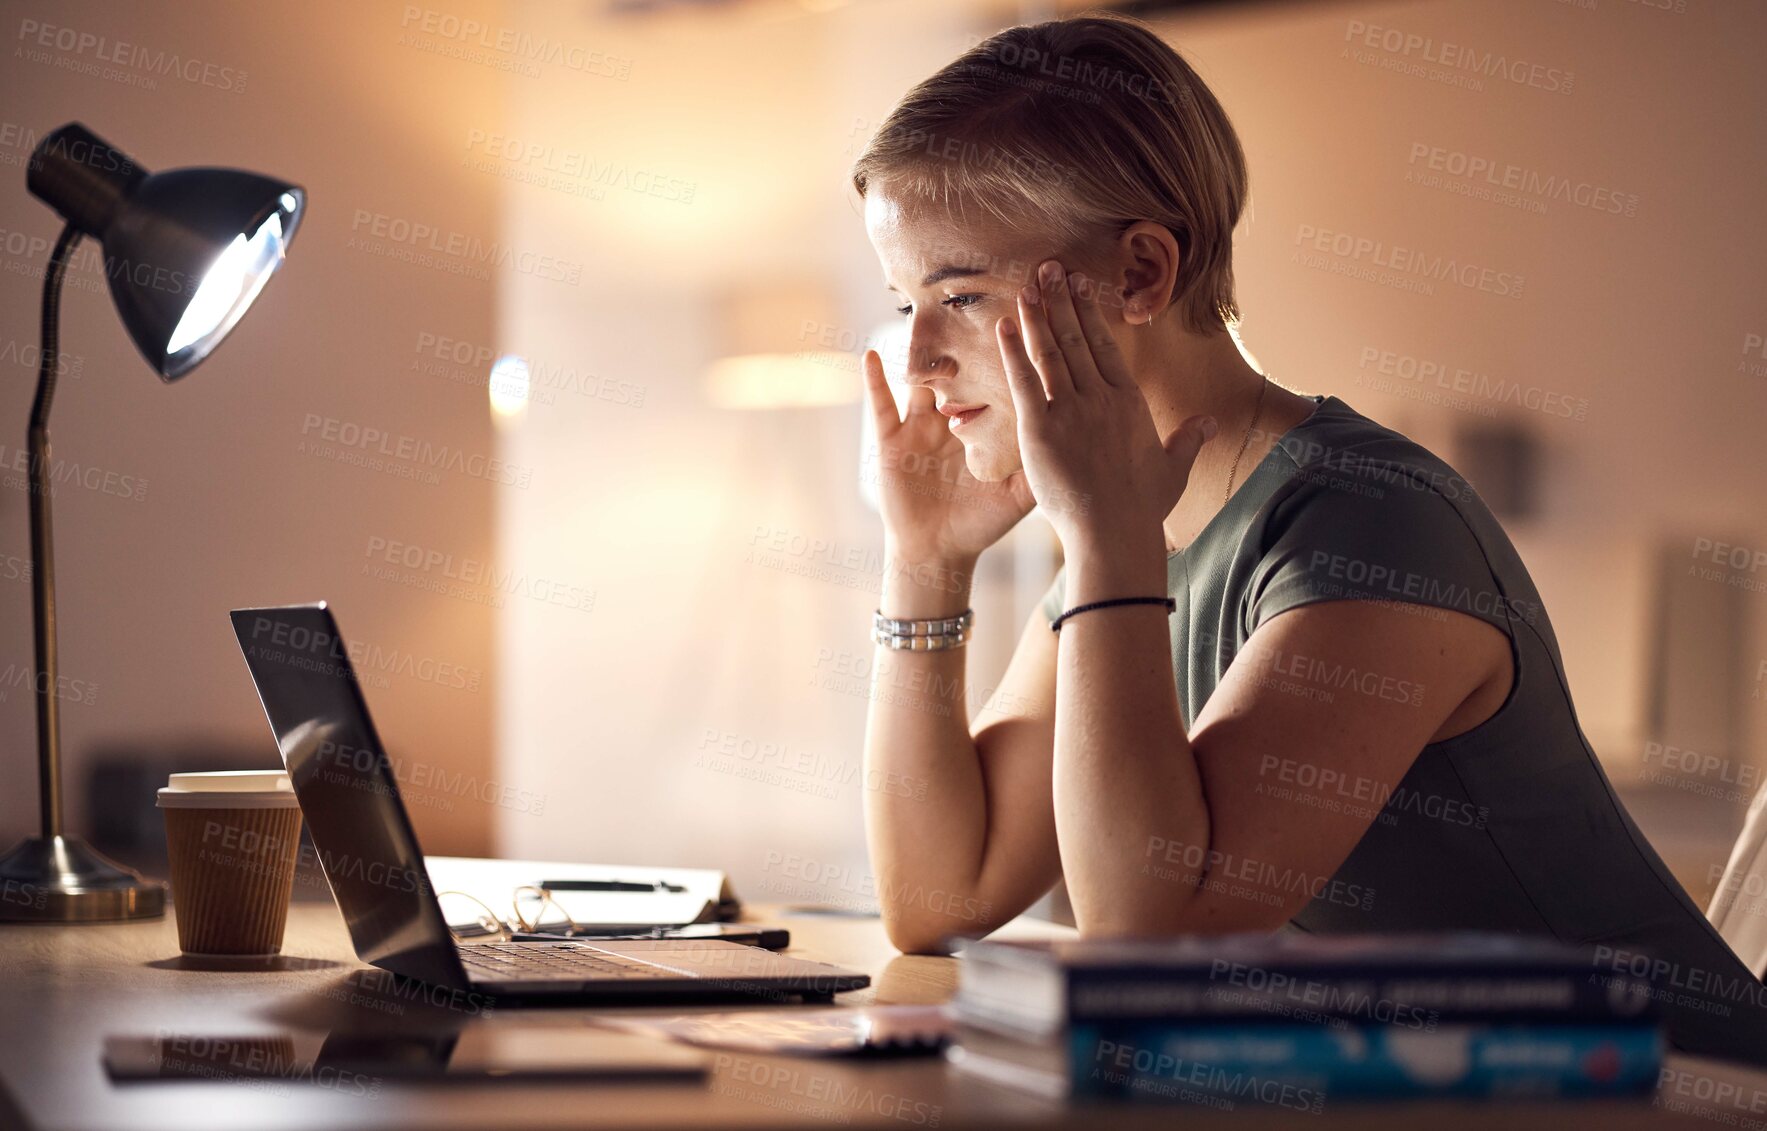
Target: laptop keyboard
x: 552, y: 961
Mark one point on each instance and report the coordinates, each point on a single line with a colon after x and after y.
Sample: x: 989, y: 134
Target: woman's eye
x: 961, y: 302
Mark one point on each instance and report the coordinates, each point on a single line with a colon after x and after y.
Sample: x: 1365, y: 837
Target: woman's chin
x: 986, y: 463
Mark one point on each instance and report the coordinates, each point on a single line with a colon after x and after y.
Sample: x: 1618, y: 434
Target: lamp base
x: 66, y: 880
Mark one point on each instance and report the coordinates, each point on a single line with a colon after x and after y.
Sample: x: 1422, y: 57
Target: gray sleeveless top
x: 1511, y: 826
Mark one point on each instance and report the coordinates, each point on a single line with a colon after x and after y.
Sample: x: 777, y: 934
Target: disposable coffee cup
x: 232, y: 838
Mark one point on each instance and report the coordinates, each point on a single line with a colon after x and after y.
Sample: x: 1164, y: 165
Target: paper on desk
x: 493, y: 882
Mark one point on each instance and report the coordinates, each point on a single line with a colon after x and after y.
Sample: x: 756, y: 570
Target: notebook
x: 705, y: 895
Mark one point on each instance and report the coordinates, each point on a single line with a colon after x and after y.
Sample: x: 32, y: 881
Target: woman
x: 1300, y: 678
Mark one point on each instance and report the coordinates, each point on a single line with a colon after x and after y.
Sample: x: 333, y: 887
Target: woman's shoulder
x: 1365, y: 512
x: 1335, y: 440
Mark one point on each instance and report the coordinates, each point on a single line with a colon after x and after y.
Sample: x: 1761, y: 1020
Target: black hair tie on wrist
x: 1171, y: 604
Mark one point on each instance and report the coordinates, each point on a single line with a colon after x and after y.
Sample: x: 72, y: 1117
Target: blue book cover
x: 1418, y: 981
x: 1303, y: 1067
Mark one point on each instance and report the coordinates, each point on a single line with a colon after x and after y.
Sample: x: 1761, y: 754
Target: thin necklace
x: 1243, y: 444
x: 1263, y: 383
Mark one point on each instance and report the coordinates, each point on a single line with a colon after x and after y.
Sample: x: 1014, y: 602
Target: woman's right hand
x: 934, y: 510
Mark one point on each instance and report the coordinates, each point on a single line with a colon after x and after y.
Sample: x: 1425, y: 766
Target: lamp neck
x: 43, y: 542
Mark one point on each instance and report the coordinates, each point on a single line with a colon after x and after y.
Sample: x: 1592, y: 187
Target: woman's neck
x: 1183, y: 375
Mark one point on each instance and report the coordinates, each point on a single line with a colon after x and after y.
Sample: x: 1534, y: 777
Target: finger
x: 1028, y: 396
x: 1106, y: 354
x: 878, y: 395
x: 921, y: 402
x: 1064, y: 323
x: 1040, y: 344
x: 1187, y: 440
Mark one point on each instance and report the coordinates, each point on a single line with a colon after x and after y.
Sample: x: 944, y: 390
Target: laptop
x: 350, y: 799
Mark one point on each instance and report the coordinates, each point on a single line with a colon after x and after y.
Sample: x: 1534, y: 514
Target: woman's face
x: 954, y: 282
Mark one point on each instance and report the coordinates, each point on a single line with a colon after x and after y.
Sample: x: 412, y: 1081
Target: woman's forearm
x: 925, y: 800
x: 1125, y: 775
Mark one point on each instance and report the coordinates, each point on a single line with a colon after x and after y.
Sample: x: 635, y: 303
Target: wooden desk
x: 67, y: 988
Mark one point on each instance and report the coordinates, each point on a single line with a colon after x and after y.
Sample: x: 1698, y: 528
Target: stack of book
x: 1291, y: 1020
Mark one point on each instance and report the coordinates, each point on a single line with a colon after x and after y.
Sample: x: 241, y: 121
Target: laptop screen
x: 347, y: 790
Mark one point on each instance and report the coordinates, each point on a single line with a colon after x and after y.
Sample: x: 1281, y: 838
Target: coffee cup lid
x: 229, y: 789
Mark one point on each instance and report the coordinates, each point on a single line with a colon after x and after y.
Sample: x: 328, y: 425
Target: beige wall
x: 234, y: 511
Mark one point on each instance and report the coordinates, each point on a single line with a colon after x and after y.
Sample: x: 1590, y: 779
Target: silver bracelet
x: 931, y: 635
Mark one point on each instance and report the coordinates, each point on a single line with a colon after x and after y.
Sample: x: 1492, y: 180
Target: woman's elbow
x: 917, y: 931
x: 922, y: 921
x: 917, y: 935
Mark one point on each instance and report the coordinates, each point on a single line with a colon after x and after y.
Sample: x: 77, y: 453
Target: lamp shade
x: 185, y: 251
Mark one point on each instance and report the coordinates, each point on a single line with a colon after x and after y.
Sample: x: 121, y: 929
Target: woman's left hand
x: 1092, y: 454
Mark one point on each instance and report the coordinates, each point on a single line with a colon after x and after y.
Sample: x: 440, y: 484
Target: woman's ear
x: 1150, y: 257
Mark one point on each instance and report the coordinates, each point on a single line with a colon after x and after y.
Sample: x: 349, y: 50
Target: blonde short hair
x: 1081, y: 127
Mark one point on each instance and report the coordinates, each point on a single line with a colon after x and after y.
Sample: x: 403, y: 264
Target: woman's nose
x: 926, y: 360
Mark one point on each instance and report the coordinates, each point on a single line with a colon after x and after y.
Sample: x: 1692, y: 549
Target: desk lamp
x: 186, y: 252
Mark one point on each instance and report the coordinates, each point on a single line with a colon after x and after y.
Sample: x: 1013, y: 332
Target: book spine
x: 1410, y: 1000
x: 1301, y: 1068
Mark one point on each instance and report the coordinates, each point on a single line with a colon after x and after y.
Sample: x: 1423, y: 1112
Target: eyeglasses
x: 528, y: 908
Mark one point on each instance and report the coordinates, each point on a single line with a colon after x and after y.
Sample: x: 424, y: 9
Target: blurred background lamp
x: 779, y: 344
x: 186, y: 251
x: 509, y: 385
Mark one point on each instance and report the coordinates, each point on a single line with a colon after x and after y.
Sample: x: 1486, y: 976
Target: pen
x: 607, y: 885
